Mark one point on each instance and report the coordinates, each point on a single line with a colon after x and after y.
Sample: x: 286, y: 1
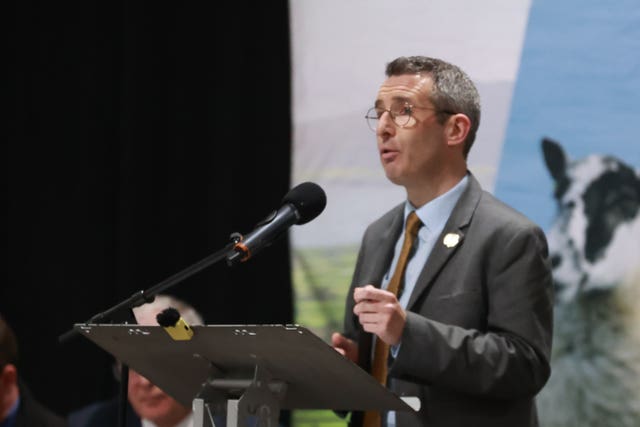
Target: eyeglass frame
x: 407, y: 106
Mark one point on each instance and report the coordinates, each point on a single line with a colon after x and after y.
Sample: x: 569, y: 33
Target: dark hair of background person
x: 142, y: 135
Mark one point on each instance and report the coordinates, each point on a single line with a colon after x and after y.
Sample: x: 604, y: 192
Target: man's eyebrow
x: 380, y: 103
x: 401, y: 98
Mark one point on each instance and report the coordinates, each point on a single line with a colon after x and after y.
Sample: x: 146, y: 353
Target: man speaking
x: 451, y: 298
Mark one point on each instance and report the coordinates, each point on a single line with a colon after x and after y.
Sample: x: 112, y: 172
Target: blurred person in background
x: 149, y: 406
x: 18, y: 408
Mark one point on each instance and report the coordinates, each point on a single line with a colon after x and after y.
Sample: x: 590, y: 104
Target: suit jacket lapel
x: 441, y: 253
x: 385, y: 247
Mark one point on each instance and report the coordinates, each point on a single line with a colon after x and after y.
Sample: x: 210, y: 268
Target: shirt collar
x: 435, y: 213
x: 186, y: 422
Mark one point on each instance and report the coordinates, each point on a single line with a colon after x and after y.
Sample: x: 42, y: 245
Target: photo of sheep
x: 595, y: 248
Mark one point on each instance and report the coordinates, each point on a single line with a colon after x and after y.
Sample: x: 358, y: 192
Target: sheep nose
x: 556, y: 260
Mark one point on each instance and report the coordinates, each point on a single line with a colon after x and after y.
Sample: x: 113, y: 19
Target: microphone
x: 299, y: 206
x: 174, y: 324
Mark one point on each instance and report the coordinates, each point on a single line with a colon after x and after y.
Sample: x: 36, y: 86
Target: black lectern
x: 246, y: 371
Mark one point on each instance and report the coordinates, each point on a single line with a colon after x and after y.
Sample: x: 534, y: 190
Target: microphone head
x: 168, y: 317
x: 309, y: 200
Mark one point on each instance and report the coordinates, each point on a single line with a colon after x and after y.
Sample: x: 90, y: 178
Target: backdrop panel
x: 340, y: 50
x: 577, y: 90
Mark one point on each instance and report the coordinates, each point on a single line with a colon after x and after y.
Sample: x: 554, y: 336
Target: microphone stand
x: 143, y: 297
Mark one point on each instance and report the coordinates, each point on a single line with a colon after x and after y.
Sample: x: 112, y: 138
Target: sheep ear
x: 555, y: 159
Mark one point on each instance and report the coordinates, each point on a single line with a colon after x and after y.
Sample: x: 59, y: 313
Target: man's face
x: 151, y: 403
x: 413, y: 154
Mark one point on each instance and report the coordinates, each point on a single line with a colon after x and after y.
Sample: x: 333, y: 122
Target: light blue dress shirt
x: 434, y: 215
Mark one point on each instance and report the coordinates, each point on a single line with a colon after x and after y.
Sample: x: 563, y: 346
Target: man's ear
x: 457, y: 129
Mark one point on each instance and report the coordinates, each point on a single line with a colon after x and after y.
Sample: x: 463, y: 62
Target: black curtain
x: 142, y: 135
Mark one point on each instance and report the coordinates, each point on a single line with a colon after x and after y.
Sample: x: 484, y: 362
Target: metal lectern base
x: 258, y: 405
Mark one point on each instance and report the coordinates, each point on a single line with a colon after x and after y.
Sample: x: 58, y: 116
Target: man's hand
x: 345, y: 346
x: 380, y: 313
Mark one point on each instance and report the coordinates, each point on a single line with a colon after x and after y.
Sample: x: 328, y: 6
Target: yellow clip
x: 181, y: 331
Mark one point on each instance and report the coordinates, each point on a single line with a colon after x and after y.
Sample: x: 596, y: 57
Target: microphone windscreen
x: 309, y: 200
x: 168, y: 317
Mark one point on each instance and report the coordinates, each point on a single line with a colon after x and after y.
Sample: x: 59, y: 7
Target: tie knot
x: 413, y: 224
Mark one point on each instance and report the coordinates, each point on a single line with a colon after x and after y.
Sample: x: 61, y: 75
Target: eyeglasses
x: 401, y: 114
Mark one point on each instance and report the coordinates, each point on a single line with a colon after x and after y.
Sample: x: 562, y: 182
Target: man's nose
x: 386, y: 126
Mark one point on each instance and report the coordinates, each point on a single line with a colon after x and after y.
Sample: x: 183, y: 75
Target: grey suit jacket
x: 475, y: 348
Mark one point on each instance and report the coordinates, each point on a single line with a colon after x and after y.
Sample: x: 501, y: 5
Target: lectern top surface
x: 317, y: 376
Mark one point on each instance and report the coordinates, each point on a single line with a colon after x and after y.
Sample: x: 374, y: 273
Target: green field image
x: 321, y: 279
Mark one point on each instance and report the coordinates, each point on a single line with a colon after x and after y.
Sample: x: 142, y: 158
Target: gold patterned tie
x: 381, y: 350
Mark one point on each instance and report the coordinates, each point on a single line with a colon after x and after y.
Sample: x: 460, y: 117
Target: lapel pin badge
x: 451, y: 240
